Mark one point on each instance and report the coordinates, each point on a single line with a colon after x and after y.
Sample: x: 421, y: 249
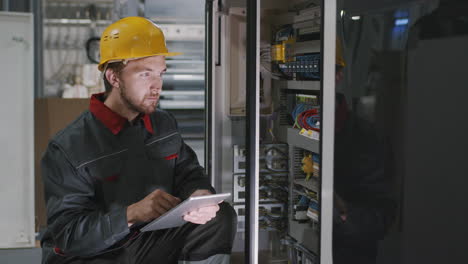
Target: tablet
x: 175, y: 216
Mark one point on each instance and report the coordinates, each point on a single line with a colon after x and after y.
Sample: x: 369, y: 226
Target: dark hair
x: 117, y: 68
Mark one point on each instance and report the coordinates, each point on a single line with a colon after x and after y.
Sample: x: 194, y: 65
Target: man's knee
x: 226, y: 217
x: 214, y: 237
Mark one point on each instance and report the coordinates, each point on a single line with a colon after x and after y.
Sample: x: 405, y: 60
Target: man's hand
x: 151, y: 207
x: 204, y: 214
x: 340, y: 204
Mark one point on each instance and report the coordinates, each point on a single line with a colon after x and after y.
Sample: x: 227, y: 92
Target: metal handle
x: 209, y: 91
x: 252, y: 131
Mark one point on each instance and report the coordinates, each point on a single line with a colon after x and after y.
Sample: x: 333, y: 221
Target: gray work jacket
x: 91, y: 175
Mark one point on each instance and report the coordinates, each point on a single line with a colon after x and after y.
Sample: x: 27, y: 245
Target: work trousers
x: 188, y: 242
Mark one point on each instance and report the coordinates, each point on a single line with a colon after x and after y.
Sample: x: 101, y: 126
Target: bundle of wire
x: 306, y: 116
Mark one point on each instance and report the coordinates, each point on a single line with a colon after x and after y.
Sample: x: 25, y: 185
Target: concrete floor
x: 33, y: 256
x: 20, y: 256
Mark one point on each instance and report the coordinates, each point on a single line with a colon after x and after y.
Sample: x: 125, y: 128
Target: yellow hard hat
x: 339, y: 60
x: 132, y: 38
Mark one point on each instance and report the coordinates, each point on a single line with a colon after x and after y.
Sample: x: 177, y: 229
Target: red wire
x: 302, y: 119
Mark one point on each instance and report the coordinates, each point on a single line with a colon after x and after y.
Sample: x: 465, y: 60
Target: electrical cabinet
x: 370, y: 158
x: 295, y: 81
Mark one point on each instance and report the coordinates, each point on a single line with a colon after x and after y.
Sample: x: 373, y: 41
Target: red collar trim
x: 147, y: 122
x: 113, y: 121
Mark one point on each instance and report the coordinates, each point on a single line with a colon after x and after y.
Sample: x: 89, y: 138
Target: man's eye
x: 144, y: 74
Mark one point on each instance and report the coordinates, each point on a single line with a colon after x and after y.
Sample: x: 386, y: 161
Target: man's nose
x: 156, y: 86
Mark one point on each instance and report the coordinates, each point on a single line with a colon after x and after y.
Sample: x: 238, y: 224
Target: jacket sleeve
x: 77, y: 226
x: 361, y: 181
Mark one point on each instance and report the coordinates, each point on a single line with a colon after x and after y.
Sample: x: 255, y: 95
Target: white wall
x: 17, y: 131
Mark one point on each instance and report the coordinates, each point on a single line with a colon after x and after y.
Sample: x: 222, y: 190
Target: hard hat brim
x: 166, y: 54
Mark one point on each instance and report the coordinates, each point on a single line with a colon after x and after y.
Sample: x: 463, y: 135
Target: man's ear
x: 112, y: 78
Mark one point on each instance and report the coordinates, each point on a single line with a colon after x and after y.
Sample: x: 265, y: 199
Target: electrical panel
x: 290, y: 74
x: 296, y: 68
x: 273, y: 190
x: 298, y: 254
x: 271, y: 216
x: 273, y: 158
x: 306, y: 67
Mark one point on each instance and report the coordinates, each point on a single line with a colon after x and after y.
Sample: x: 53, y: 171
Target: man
x: 122, y: 164
x: 363, y: 204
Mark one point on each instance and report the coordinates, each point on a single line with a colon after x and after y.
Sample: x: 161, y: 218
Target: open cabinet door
x: 400, y: 138
x: 254, y: 149
x: 16, y: 135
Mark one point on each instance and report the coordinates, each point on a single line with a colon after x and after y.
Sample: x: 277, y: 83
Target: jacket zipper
x: 118, y: 152
x: 160, y: 139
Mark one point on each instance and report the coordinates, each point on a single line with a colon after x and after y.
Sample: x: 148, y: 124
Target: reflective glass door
x: 400, y: 132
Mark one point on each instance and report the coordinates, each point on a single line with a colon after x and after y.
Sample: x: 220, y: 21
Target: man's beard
x: 135, y: 106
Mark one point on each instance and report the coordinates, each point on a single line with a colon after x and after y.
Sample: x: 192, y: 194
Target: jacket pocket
x: 106, y: 174
x: 165, y: 147
x: 163, y: 154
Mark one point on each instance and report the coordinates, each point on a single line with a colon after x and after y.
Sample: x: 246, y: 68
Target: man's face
x: 141, y: 83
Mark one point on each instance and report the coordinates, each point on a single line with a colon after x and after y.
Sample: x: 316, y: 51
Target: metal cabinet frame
x: 253, y: 121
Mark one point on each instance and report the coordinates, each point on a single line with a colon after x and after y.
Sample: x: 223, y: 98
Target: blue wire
x: 312, y: 120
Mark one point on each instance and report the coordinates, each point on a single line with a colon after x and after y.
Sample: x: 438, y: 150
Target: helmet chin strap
x: 103, y: 73
x: 124, y: 62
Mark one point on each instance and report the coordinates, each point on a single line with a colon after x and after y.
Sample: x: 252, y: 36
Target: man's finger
x: 196, y: 220
x: 171, y: 199
x: 204, y: 216
x: 159, y: 209
x: 166, y: 196
x: 190, y: 218
x: 209, y: 209
x: 164, y: 204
